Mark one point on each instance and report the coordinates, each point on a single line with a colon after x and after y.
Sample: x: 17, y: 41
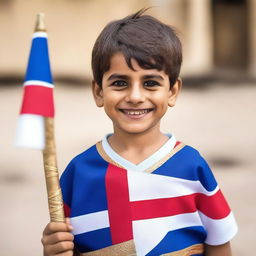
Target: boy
x: 139, y: 191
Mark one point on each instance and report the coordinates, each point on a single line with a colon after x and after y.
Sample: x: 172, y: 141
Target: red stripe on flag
x: 118, y: 204
x: 38, y: 100
x: 214, y: 206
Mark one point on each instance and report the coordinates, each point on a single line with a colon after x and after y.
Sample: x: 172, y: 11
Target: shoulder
x: 193, y: 158
x: 187, y: 163
x: 190, y: 153
x: 80, y: 169
x: 87, y: 154
x: 88, y: 159
x: 201, y: 168
x: 187, y: 154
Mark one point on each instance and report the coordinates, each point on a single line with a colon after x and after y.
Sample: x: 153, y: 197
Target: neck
x: 149, y: 141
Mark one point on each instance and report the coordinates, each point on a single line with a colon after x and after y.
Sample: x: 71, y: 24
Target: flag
x: 38, y: 86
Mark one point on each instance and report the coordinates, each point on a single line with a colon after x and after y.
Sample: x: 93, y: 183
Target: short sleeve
x: 214, y: 211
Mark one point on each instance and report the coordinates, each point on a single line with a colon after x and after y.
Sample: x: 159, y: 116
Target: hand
x: 57, y: 239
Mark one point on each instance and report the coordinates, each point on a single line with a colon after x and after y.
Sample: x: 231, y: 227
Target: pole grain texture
x: 55, y: 201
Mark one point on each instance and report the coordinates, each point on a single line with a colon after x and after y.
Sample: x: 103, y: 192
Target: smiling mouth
x: 134, y: 112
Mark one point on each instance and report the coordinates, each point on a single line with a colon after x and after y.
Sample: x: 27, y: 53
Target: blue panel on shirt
x: 88, y: 187
x: 39, y: 65
x: 188, y: 164
x: 179, y: 239
x: 93, y: 240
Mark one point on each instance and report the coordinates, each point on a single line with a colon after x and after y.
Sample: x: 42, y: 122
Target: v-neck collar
x: 145, y: 164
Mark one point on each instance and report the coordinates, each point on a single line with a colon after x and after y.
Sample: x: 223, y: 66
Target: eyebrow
x: 125, y: 77
x: 118, y: 76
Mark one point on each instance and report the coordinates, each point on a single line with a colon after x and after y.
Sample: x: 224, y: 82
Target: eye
x: 119, y: 83
x: 151, y: 83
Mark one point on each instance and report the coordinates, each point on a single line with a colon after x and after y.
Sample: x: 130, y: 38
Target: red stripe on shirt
x: 66, y: 210
x: 163, y: 207
x: 214, y: 206
x: 118, y: 204
x: 177, y: 144
x: 38, y: 100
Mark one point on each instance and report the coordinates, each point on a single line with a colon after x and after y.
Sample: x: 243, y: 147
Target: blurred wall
x: 216, y: 34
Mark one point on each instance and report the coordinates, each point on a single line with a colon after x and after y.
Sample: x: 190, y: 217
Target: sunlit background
x: 215, y: 112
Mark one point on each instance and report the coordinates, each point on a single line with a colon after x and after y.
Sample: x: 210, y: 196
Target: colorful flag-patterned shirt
x: 166, y: 204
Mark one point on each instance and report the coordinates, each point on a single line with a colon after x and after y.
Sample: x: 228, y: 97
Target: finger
x: 53, y: 227
x: 57, y: 237
x: 61, y: 247
x: 68, y: 253
x: 68, y: 221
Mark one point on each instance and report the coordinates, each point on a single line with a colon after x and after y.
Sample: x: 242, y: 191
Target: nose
x: 135, y: 94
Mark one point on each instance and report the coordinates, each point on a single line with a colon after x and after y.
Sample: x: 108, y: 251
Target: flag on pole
x: 37, y: 92
x: 36, y: 120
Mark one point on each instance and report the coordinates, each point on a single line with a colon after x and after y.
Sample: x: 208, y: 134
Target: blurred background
x: 215, y: 112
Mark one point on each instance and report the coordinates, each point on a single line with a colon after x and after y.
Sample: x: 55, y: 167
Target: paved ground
x: 219, y: 121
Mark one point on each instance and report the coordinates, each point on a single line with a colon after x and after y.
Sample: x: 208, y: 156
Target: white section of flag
x: 38, y: 83
x: 146, y: 186
x: 40, y: 34
x: 149, y: 233
x: 90, y: 222
x: 219, y: 231
x: 30, y: 131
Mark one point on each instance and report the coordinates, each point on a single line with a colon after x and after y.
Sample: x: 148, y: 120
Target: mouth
x: 136, y: 113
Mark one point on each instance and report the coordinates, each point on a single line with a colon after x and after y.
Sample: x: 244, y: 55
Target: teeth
x: 136, y: 112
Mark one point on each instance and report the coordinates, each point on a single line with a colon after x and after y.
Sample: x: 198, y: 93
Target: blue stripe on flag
x: 39, y: 64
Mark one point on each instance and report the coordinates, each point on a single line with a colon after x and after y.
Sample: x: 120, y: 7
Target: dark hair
x: 153, y: 44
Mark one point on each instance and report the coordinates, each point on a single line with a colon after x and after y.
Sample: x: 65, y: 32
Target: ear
x: 97, y: 94
x: 173, y: 92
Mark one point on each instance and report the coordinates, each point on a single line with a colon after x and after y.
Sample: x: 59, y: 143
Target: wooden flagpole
x: 55, y: 201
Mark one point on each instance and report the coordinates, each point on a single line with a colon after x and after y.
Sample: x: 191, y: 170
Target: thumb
x: 69, y: 225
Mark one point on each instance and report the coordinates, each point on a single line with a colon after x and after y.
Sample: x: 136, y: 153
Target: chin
x: 135, y: 130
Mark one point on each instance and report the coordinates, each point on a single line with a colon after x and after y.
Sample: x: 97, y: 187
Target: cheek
x: 160, y: 100
x: 108, y: 106
x: 113, y: 97
x: 110, y: 103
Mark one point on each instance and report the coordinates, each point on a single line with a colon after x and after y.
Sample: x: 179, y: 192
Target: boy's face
x: 135, y: 101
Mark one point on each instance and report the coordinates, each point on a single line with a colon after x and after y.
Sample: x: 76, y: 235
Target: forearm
x: 219, y: 250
